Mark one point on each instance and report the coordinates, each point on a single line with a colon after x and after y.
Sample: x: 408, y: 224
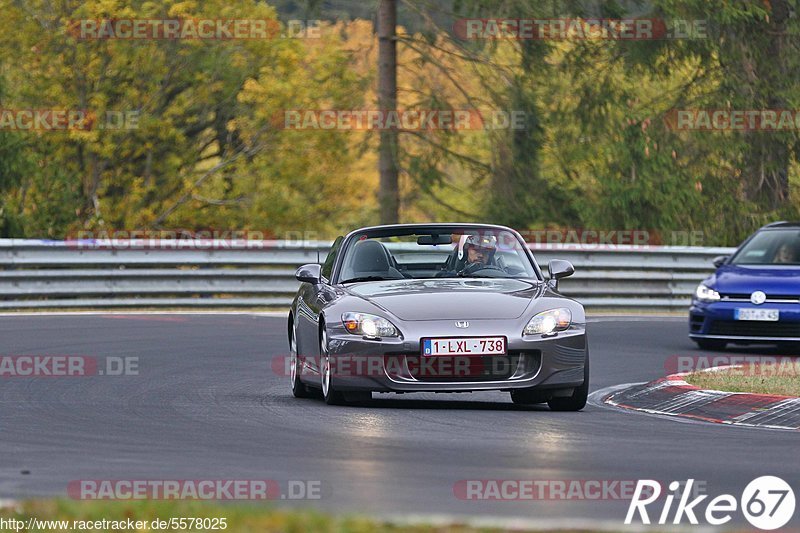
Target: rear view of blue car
x: 754, y: 296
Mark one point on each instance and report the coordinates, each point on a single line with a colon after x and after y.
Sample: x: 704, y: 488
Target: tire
x: 299, y: 389
x: 711, y: 345
x: 329, y: 392
x: 577, y: 401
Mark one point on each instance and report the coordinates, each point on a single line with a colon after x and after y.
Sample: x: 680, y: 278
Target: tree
x: 388, y: 196
x: 755, y: 45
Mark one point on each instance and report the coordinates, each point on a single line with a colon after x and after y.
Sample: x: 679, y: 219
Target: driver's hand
x: 469, y: 268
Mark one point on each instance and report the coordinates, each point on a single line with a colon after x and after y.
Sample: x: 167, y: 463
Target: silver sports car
x: 437, y: 308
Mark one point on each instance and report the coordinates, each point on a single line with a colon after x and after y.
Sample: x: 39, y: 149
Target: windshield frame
x: 414, y: 229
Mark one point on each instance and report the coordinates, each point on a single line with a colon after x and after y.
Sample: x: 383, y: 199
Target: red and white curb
x: 673, y: 396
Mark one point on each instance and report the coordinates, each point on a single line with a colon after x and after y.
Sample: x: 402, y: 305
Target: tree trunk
x: 388, y: 194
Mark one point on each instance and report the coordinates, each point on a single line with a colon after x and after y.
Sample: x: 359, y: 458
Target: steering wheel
x: 472, y: 268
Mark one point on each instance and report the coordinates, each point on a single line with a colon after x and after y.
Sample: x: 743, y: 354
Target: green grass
x: 782, y: 379
x: 240, y: 518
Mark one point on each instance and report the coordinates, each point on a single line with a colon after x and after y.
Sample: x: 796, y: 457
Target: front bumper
x: 716, y: 320
x: 396, y: 365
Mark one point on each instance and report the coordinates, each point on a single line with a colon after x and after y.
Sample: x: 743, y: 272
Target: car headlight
x: 706, y: 294
x: 368, y: 325
x: 548, y: 322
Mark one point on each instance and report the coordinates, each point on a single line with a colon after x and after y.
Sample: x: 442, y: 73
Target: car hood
x: 772, y: 280
x: 449, y: 299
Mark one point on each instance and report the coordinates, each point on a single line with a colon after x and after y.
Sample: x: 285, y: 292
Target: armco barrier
x: 58, y: 274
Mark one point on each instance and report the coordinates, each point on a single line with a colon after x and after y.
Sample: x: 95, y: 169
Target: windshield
x: 771, y: 247
x: 476, y: 253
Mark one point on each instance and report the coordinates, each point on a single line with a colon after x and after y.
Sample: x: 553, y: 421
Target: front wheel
x: 299, y: 389
x: 577, y: 401
x: 329, y: 392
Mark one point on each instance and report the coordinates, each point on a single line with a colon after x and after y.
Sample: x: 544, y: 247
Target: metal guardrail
x: 76, y: 274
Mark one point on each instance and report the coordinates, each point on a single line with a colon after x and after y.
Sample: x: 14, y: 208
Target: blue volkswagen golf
x: 754, y: 296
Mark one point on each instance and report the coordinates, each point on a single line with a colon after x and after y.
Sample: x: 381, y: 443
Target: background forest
x: 596, y: 151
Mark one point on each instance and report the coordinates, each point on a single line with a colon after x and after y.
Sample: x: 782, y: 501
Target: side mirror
x: 309, y: 273
x: 720, y: 260
x: 558, y: 269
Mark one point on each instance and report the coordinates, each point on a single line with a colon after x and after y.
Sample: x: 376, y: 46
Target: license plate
x: 465, y: 346
x: 765, y: 315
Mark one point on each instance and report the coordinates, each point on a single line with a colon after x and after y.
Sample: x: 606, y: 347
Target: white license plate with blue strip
x: 762, y: 315
x: 465, y: 346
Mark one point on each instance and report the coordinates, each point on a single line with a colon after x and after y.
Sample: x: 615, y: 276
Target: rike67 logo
x: 767, y: 502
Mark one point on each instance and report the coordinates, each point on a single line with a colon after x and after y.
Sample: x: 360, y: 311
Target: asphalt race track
x: 206, y: 404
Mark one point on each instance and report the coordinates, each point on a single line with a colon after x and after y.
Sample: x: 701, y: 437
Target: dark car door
x: 311, y: 301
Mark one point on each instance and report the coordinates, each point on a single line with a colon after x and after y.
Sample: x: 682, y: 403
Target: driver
x: 473, y: 253
x: 785, y: 254
x: 477, y: 249
x: 476, y: 252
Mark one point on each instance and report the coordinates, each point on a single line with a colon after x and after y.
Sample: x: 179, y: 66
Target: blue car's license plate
x: 764, y: 315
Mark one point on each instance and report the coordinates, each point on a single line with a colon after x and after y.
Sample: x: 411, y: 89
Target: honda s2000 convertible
x: 437, y: 308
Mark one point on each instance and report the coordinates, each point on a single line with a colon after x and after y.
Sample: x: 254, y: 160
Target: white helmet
x: 489, y: 242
